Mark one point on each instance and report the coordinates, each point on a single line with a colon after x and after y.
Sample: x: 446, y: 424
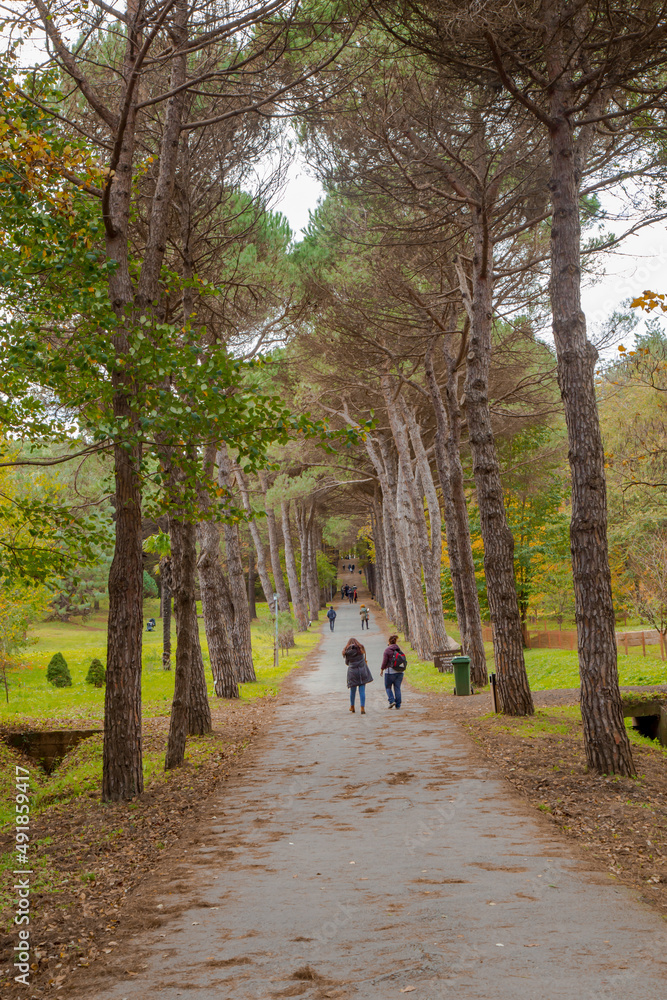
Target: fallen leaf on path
x: 408, y: 989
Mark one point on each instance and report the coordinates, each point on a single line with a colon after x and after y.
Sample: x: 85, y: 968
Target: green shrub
x: 150, y: 586
x: 96, y: 675
x: 57, y: 672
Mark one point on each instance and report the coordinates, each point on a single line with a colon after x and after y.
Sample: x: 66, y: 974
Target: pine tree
x: 57, y: 672
x: 96, y: 675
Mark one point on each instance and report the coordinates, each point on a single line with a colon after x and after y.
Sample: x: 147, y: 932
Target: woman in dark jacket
x: 392, y: 678
x: 358, y: 674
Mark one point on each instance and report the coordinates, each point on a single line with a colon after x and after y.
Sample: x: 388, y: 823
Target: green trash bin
x: 461, y: 666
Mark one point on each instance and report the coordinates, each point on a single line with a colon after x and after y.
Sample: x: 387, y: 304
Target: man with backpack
x: 331, y: 615
x: 393, y: 667
x: 363, y: 614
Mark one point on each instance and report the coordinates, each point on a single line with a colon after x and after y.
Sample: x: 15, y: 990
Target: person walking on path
x: 350, y: 595
x: 393, y: 668
x: 354, y: 592
x: 363, y: 614
x: 331, y: 615
x: 358, y: 674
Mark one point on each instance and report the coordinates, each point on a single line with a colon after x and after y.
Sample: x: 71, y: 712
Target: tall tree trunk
x: 432, y: 572
x: 122, y: 768
x: 122, y: 771
x: 450, y: 472
x: 380, y: 571
x: 242, y: 481
x: 199, y: 710
x: 165, y: 574
x: 407, y: 561
x: 512, y: 681
x: 274, y: 549
x: 605, y: 737
x: 309, y: 588
x: 251, y: 585
x: 183, y: 556
x: 300, y: 612
x: 214, y: 588
x: 313, y: 579
x: 241, y: 636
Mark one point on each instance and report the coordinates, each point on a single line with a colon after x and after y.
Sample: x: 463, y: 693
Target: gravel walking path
x: 368, y: 856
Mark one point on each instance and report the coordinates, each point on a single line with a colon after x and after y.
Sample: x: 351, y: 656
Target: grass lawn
x: 34, y: 702
x: 33, y: 699
x: 547, y: 668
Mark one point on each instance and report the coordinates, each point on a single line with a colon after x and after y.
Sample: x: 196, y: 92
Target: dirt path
x: 359, y: 856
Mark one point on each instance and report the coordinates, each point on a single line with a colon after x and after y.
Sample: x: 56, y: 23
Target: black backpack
x: 399, y: 662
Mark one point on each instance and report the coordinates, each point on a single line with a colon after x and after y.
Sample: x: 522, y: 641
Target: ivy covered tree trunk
x: 214, y: 589
x: 605, y: 738
x: 512, y: 681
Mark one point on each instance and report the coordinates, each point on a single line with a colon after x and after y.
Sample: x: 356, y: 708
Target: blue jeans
x: 392, y: 684
x: 362, y: 695
x: 331, y: 623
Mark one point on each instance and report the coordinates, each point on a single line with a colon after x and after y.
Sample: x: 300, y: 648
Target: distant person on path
x: 393, y: 668
x: 363, y: 614
x: 355, y: 595
x: 350, y: 595
x: 331, y: 615
x: 358, y: 674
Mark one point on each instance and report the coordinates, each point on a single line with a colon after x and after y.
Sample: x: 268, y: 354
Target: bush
x: 57, y: 672
x: 150, y: 586
x: 96, y: 675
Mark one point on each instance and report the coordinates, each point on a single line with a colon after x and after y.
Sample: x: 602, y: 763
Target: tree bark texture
x: 605, y: 737
x: 512, y: 681
x: 242, y: 481
x: 407, y: 574
x: 199, y: 710
x: 165, y: 600
x: 214, y: 587
x: 122, y: 770
x: 241, y: 637
x: 432, y: 572
x: 450, y: 472
x: 183, y: 556
x: 122, y: 766
x: 274, y: 549
x: 309, y: 585
x: 298, y: 602
x: 252, y: 607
